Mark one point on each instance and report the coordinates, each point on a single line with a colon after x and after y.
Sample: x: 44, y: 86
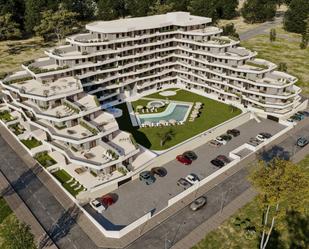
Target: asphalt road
x: 136, y: 198
x: 261, y: 29
x: 58, y: 223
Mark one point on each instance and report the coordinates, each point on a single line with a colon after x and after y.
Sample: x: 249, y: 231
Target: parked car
x: 147, y: 177
x: 255, y: 142
x: 190, y: 155
x: 160, y: 171
x: 223, y: 159
x: 263, y: 136
x: 297, y: 117
x: 184, y: 160
x: 198, y: 203
x: 266, y: 135
x: 290, y: 120
x: 97, y: 206
x: 183, y: 183
x: 305, y: 113
x: 214, y: 143
x: 220, y: 140
x: 233, y: 132
x: 107, y: 200
x: 302, y: 142
x: 192, y: 178
x: 226, y: 137
x: 217, y: 163
x: 301, y: 115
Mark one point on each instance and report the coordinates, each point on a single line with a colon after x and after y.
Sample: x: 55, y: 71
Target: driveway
x: 136, y: 199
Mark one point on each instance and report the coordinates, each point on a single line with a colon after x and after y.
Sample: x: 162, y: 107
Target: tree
x: 179, y: 5
x: 14, y: 7
x: 9, y: 29
x: 111, y: 9
x: 166, y: 136
x: 230, y: 30
x: 305, y: 36
x: 257, y: 11
x: 85, y: 8
x: 296, y: 15
x: 16, y: 235
x: 158, y: 8
x: 138, y: 7
x: 283, y: 67
x: 59, y: 24
x: 205, y: 8
x: 227, y: 9
x: 282, y: 187
x: 33, y: 10
x: 232, y: 108
x: 272, y: 35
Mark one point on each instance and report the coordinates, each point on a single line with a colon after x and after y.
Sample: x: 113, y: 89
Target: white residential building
x: 63, y: 93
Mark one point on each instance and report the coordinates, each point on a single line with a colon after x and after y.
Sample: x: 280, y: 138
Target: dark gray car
x: 198, y: 203
x: 147, y: 177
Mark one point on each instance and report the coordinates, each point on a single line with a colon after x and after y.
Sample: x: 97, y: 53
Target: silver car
x: 198, y: 203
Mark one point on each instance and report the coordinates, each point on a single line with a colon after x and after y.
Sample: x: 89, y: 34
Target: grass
x: 17, y: 128
x: 14, y: 53
x: 44, y: 159
x: 6, y: 116
x: 31, y: 143
x: 212, y: 114
x: 62, y: 176
x: 233, y: 233
x: 284, y: 49
x: 5, y: 213
x: 144, y: 102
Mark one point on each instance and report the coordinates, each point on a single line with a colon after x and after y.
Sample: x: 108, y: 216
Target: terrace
x: 67, y: 85
x: 122, y: 143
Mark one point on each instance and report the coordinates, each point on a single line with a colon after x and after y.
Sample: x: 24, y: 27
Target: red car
x: 184, y: 160
x: 107, y: 200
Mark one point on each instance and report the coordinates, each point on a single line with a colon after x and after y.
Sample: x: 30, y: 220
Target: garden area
x: 17, y: 128
x: 242, y: 230
x: 44, y: 159
x: 212, y: 114
x: 6, y: 116
x: 31, y: 143
x: 68, y: 182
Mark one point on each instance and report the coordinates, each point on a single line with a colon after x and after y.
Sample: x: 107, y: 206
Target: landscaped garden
x: 31, y: 143
x: 6, y: 116
x: 44, y: 159
x: 212, y: 114
x: 69, y: 183
x: 17, y: 128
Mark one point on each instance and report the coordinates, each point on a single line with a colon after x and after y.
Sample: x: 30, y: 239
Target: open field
x: 284, y: 49
x: 211, y: 115
x: 235, y: 232
x: 14, y: 53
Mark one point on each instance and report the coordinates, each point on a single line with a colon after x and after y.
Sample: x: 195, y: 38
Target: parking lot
x: 136, y: 198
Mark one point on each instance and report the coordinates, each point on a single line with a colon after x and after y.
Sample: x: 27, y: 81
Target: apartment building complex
x: 63, y: 94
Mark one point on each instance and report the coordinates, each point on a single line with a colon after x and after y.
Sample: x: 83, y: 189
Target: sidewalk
x: 23, y: 213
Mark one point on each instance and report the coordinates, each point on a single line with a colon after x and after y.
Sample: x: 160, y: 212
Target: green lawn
x: 62, y: 176
x: 212, y: 114
x: 44, y: 159
x: 5, y: 213
x: 17, y: 129
x: 233, y: 233
x: 31, y: 143
x: 6, y: 116
x: 284, y: 49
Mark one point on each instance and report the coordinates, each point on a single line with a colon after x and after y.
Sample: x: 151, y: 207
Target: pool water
x: 178, y: 112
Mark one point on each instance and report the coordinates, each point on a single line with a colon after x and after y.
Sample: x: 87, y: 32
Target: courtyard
x: 212, y: 113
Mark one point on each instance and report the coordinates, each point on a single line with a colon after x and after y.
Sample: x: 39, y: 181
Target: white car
x: 261, y: 138
x: 221, y: 140
x: 192, y: 178
x: 97, y: 206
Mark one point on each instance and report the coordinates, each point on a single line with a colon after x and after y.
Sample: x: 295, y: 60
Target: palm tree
x: 232, y: 108
x: 166, y: 136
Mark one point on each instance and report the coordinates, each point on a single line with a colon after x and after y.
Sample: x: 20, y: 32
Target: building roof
x: 148, y: 22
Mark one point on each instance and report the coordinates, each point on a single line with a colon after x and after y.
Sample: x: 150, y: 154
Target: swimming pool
x: 176, y: 111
